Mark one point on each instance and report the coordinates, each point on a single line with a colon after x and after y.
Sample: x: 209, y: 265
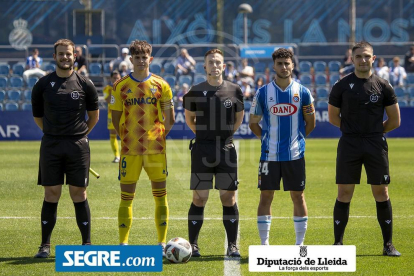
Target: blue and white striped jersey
x: 283, y: 125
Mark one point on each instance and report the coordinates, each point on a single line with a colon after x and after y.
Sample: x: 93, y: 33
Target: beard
x: 284, y: 76
x: 60, y: 65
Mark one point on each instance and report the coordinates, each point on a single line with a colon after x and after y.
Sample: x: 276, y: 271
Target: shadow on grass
x: 213, y: 258
x: 26, y: 260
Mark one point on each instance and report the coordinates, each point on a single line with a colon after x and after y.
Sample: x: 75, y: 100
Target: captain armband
x: 308, y: 109
x: 167, y: 105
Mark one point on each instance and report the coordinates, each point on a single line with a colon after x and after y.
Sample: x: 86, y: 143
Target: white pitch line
x: 232, y: 265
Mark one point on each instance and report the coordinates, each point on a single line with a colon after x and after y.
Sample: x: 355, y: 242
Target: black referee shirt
x: 63, y: 102
x: 362, y: 103
x: 215, y: 109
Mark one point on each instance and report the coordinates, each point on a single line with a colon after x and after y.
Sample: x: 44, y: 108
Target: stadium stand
x: 155, y: 68
x: 169, y: 68
x: 199, y: 68
x: 27, y: 95
x: 3, y: 82
x: 399, y: 91
x: 306, y: 79
x: 16, y: 82
x: 14, y: 95
x: 18, y: 69
x: 322, y: 104
x: 410, y: 79
x: 107, y: 69
x: 305, y: 66
x: 4, y: 69
x: 27, y: 106
x: 199, y: 78
x: 171, y: 80
x: 333, y: 78
x: 320, y: 79
x: 50, y: 67
x: 412, y: 103
x: 1, y: 107
x: 185, y: 79
x: 11, y: 107
x: 411, y: 92
x: 2, y: 95
x: 95, y: 69
x: 319, y: 66
x: 403, y: 103
x: 334, y: 66
x: 31, y: 82
x: 259, y: 67
x: 322, y: 93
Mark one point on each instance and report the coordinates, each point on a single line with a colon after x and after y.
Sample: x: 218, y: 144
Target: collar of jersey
x: 149, y: 76
x: 277, y: 87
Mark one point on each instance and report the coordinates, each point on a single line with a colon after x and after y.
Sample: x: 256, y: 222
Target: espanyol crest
x: 20, y: 37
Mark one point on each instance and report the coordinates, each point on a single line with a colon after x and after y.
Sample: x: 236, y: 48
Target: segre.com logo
x: 109, y: 258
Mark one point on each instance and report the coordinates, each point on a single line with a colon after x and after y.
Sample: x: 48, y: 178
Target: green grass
x: 21, y: 197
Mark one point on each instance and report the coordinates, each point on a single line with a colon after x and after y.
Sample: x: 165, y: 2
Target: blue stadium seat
x: 185, y: 79
x: 410, y: 79
x: 18, y: 69
x: 305, y: 79
x: 403, y: 103
x: 3, y: 82
x: 411, y: 92
x: 107, y: 70
x: 1, y: 107
x: 305, y: 66
x: 320, y: 79
x: 50, y: 67
x: 259, y: 67
x: 271, y: 64
x: 170, y: 80
x: 199, y: 68
x: 399, y: 91
x: 11, y: 107
x: 334, y: 66
x: 319, y: 66
x: 247, y: 105
x: 199, y: 78
x: 16, y: 82
x: 95, y: 69
x: 322, y: 104
x: 412, y: 103
x: 27, y: 106
x: 155, y: 68
x: 2, y: 95
x: 27, y: 95
x: 4, y: 69
x: 14, y: 95
x: 322, y: 93
x: 169, y: 68
x: 32, y: 81
x: 333, y: 78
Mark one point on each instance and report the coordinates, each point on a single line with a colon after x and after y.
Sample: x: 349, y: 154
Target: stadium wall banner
x: 19, y: 125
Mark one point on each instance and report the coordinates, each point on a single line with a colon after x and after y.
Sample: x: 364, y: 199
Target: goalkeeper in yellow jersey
x: 112, y: 133
x: 142, y: 114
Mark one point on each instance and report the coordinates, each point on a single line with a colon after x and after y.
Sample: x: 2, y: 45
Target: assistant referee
x: 356, y: 105
x: 60, y: 102
x: 214, y: 110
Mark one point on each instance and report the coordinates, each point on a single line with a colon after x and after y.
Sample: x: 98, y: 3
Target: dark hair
x: 213, y: 51
x: 64, y: 42
x: 282, y: 53
x: 362, y: 44
x: 140, y: 47
x: 115, y: 72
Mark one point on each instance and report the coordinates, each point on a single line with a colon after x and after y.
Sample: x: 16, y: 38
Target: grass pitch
x: 21, y: 203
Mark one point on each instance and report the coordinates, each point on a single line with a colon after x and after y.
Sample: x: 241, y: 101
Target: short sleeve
x: 389, y: 95
x: 37, y: 100
x: 239, y: 99
x: 166, y: 100
x: 91, y: 98
x: 106, y: 91
x: 335, y: 97
x: 256, y: 108
x: 116, y: 101
x: 188, y: 101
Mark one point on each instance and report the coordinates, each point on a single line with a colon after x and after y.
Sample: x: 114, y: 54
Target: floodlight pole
x: 352, y: 19
x: 245, y: 9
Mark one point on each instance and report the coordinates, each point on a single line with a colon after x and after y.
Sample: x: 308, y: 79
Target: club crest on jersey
x: 374, y: 98
x: 75, y: 95
x: 296, y: 97
x: 228, y: 103
x: 283, y: 109
x: 153, y: 89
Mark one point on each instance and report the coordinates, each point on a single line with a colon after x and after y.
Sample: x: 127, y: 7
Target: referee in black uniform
x: 60, y: 102
x: 214, y: 110
x: 356, y: 105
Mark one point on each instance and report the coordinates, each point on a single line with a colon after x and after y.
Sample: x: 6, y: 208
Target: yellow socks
x: 125, y: 216
x: 161, y: 213
x: 114, y: 144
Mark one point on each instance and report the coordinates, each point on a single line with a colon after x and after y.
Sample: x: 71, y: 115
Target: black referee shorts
x: 355, y: 151
x: 64, y: 155
x: 209, y: 159
x: 292, y: 172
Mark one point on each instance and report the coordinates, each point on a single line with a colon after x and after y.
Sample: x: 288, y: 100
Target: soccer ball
x: 178, y: 250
